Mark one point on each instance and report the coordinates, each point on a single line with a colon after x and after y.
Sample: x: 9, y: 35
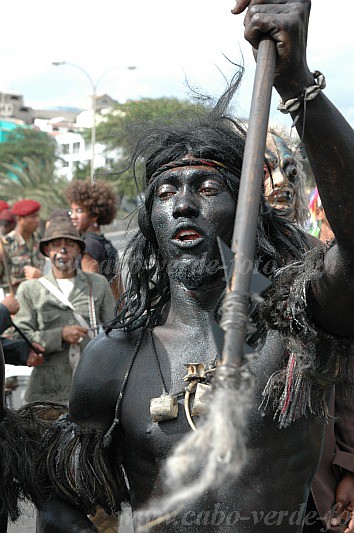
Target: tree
x: 112, y: 131
x: 24, y: 142
x: 32, y: 178
x: 82, y: 171
x: 27, y: 169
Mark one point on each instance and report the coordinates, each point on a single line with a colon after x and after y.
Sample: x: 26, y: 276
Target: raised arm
x: 329, y: 143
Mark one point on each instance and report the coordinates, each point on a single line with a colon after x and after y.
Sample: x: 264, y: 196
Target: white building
x: 75, y: 153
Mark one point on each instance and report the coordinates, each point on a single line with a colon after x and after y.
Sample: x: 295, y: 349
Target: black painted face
x: 192, y: 206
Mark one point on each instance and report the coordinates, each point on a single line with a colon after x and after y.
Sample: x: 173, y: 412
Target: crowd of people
x: 126, y: 397
x: 54, y: 303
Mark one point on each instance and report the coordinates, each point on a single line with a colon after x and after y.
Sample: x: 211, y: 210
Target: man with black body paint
x: 193, y: 175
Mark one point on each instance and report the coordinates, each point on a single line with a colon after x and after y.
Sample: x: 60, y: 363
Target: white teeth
x: 185, y: 233
x: 281, y: 196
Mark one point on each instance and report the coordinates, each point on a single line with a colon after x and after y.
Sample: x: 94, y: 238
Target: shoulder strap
x: 108, y: 435
x: 60, y: 296
x: 56, y: 292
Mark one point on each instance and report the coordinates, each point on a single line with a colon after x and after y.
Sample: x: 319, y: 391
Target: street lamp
x: 93, y: 101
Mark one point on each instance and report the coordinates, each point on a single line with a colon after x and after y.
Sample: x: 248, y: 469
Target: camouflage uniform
x: 18, y: 255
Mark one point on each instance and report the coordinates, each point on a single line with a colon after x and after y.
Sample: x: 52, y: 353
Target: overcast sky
x: 166, y: 41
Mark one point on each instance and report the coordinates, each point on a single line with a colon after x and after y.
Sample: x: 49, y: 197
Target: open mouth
x: 187, y: 237
x: 281, y: 197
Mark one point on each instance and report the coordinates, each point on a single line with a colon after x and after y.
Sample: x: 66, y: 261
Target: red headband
x: 186, y: 162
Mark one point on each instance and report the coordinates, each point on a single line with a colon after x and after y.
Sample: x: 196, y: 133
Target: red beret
x: 23, y: 208
x: 6, y: 215
x: 3, y: 205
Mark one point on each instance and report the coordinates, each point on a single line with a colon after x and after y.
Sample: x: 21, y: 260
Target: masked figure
x: 284, y: 180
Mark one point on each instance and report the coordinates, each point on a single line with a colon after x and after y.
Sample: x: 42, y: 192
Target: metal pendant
x: 165, y: 407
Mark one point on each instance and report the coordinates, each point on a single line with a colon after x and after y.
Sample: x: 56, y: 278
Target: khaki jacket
x: 42, y: 318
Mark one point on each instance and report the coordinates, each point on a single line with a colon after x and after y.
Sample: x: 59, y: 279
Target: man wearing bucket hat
x: 61, y: 311
x: 21, y: 245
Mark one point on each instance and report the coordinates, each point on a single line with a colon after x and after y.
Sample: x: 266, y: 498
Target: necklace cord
x: 108, y: 436
x: 164, y: 388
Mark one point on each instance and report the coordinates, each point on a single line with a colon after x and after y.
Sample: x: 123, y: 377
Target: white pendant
x: 165, y: 407
x: 201, y: 399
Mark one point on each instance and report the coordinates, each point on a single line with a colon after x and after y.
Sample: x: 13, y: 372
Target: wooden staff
x: 245, y: 228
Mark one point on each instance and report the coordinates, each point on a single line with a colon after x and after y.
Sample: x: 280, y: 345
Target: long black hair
x: 214, y: 134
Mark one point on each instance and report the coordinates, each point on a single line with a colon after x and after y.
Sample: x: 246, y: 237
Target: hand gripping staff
x: 215, y: 453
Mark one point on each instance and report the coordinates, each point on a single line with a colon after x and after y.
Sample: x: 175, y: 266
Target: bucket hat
x: 61, y: 228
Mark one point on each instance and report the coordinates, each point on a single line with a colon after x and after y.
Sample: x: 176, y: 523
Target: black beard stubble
x: 195, y: 273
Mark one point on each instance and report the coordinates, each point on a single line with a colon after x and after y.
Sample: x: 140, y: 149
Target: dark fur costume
x: 316, y: 360
x: 80, y: 468
x: 25, y: 459
x: 18, y: 475
x: 20, y: 435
